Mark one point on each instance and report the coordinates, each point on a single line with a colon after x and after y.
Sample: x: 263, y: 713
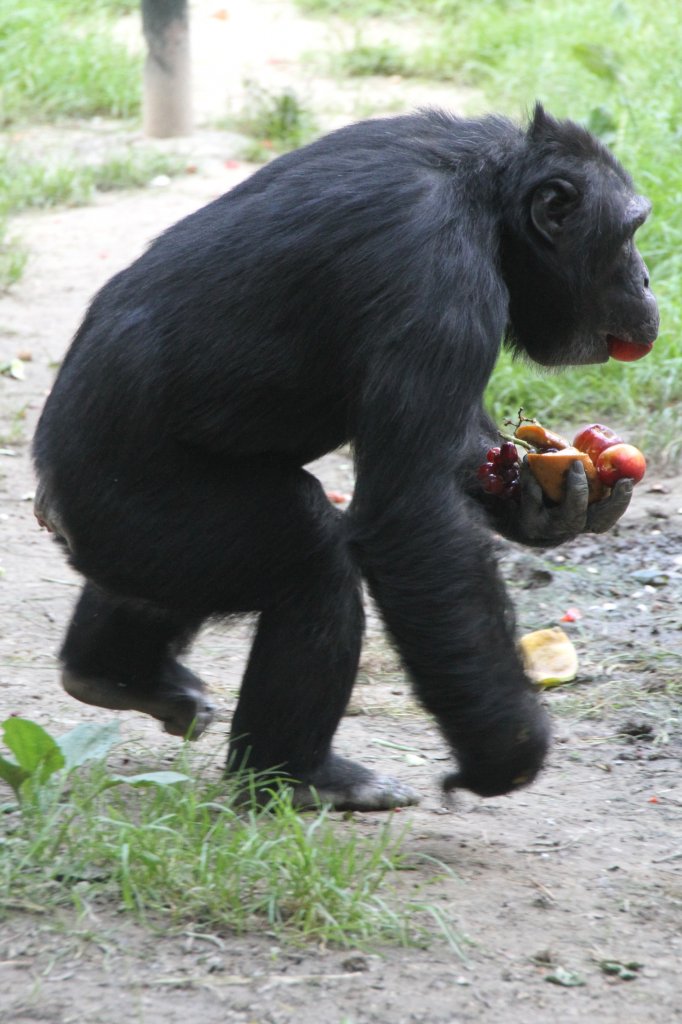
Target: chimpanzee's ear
x: 550, y: 204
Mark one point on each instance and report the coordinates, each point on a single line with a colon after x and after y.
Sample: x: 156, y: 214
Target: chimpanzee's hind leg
x: 246, y: 535
x: 296, y: 687
x: 121, y: 655
x: 304, y: 660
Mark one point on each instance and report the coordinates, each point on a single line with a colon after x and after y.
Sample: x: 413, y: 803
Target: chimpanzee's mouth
x: 625, y: 350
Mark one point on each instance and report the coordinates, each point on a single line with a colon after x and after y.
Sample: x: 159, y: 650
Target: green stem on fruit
x: 516, y: 440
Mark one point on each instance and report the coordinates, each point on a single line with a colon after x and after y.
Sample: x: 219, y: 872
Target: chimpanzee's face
x: 589, y: 297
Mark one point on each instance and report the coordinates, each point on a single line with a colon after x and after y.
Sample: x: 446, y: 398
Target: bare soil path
x: 584, y: 867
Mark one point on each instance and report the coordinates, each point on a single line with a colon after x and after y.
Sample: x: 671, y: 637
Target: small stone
x: 355, y: 963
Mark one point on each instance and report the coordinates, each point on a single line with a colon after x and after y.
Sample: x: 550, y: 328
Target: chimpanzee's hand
x: 544, y: 524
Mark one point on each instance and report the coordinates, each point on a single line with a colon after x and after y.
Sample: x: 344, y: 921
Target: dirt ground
x: 582, y: 868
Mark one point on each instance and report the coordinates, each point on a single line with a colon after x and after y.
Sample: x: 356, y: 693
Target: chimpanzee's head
x: 578, y: 287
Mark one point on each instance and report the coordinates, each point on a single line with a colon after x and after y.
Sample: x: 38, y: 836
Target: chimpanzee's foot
x: 350, y: 787
x: 180, y: 702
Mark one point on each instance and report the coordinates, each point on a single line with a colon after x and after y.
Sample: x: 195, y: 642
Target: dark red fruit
x: 499, y: 475
x: 595, y: 439
x: 627, y: 351
x: 509, y: 454
x: 495, y: 485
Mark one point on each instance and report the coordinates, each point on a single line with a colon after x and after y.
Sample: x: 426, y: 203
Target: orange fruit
x: 540, y: 437
x: 550, y: 469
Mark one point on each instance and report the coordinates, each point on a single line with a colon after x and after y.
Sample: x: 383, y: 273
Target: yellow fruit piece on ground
x: 549, y: 657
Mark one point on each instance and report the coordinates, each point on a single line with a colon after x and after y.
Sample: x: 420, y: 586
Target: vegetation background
x: 612, y: 66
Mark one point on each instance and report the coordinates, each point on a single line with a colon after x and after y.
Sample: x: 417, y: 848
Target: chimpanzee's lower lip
x: 627, y: 351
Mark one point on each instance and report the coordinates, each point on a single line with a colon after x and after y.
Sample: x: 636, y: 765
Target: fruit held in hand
x: 499, y: 474
x: 624, y: 461
x: 540, y: 438
x: 594, y: 439
x: 550, y: 469
x: 620, y: 461
x: 550, y: 457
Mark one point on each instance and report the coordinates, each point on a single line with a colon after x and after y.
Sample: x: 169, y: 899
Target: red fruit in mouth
x: 627, y: 351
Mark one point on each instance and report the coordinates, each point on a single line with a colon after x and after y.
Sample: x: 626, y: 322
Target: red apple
x: 595, y: 439
x: 618, y: 461
x: 627, y: 351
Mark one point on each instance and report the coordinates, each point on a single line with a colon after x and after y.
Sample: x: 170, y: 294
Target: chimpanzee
x: 357, y: 290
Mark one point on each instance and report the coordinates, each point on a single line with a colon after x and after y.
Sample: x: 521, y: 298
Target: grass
x: 384, y: 58
x: 614, y: 67
x: 277, y: 122
x: 13, y: 425
x: 58, y: 58
x: 358, y: 9
x: 178, y: 847
x: 28, y: 183
x: 616, y: 695
x: 13, y: 257
x: 565, y: 55
x: 117, y: 8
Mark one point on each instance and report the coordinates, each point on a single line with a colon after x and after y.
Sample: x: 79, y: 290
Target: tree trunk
x: 166, y: 95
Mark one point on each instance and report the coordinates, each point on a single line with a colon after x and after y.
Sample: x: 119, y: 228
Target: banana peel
x: 549, y: 657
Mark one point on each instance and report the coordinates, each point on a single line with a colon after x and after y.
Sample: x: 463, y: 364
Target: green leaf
x: 12, y: 774
x: 87, y: 742
x: 149, y: 779
x: 35, y: 750
x: 626, y: 972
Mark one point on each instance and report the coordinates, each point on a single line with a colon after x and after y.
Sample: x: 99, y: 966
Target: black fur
x: 354, y: 291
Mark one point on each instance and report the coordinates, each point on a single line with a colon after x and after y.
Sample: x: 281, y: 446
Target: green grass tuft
x: 59, y: 59
x: 13, y: 258
x: 277, y: 122
x: 28, y: 183
x: 229, y: 855
x: 383, y: 58
x: 358, y: 9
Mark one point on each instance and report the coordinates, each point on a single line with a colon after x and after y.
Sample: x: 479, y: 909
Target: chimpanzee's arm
x: 428, y: 559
